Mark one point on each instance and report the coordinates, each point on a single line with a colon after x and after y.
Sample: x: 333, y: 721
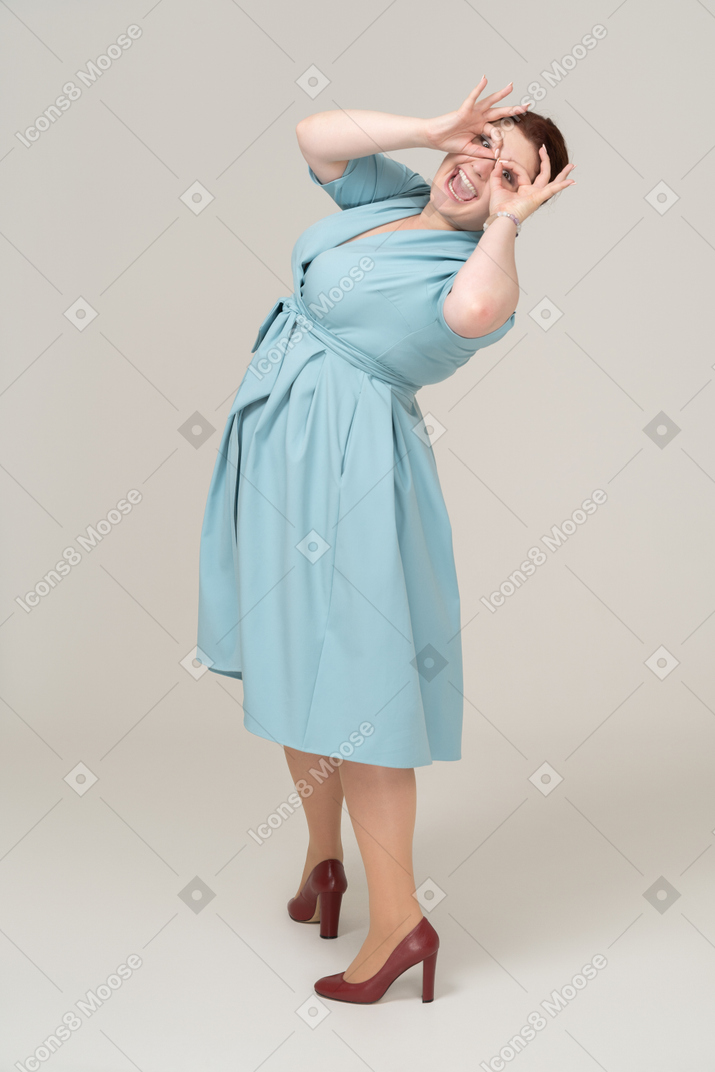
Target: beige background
x: 532, y: 878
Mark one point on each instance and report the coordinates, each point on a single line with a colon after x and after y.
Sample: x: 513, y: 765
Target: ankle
x: 384, y: 926
x: 315, y: 856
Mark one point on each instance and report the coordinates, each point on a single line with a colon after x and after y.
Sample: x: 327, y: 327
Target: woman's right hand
x: 456, y: 132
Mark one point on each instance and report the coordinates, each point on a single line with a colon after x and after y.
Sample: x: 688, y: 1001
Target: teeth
x: 466, y: 182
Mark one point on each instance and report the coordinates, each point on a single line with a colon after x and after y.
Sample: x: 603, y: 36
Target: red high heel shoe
x: 326, y: 881
x: 420, y: 945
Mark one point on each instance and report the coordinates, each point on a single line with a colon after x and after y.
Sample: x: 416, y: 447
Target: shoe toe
x: 329, y: 984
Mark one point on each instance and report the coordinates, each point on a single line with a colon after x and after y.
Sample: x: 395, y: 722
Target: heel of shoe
x: 329, y: 914
x: 428, y: 969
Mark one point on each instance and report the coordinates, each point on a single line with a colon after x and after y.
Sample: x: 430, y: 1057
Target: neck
x: 432, y: 219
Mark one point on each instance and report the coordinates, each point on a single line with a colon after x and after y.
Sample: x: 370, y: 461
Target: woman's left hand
x: 529, y: 195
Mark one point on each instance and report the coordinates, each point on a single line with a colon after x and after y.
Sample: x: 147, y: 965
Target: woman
x: 327, y: 577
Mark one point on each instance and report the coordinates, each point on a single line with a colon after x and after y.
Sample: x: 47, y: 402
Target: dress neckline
x: 408, y: 230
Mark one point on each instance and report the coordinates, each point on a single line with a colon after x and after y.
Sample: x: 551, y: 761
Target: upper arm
x: 367, y: 179
x: 469, y: 326
x: 324, y: 170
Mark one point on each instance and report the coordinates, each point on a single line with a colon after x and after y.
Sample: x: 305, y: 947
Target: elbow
x: 470, y: 321
x: 305, y: 127
x: 481, y: 313
x: 479, y: 316
x: 482, y: 319
x: 487, y: 317
x: 301, y: 128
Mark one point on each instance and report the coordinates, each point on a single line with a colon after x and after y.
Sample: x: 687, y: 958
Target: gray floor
x: 526, y: 890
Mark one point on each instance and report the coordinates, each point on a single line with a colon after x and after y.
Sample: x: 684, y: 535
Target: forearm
x: 344, y: 134
x: 487, y: 281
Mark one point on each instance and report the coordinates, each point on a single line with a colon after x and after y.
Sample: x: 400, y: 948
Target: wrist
x: 520, y: 211
x: 423, y: 139
x: 511, y: 218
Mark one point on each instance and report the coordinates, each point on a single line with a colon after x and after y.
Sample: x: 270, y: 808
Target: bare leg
x: 382, y: 802
x: 322, y: 807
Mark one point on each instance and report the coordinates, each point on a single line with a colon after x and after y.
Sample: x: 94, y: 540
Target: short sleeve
x: 469, y: 346
x: 367, y: 179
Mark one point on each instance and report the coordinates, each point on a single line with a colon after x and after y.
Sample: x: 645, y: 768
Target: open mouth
x: 460, y: 187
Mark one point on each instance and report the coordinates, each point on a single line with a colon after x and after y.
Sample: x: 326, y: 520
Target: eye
x: 509, y: 176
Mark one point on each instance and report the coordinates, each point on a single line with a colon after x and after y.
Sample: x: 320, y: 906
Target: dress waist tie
x: 296, y: 313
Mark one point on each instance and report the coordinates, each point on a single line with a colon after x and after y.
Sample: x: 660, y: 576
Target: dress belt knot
x: 296, y: 311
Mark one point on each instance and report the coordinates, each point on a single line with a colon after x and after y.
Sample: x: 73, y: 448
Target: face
x: 458, y: 205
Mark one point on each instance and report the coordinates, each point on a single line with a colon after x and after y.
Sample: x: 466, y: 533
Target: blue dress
x: 326, y: 576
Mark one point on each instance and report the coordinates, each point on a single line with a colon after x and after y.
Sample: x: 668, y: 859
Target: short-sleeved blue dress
x: 326, y: 577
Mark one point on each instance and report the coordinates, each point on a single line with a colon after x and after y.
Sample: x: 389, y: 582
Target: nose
x: 484, y: 166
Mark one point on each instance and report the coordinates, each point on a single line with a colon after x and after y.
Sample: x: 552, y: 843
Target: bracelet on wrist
x: 511, y: 216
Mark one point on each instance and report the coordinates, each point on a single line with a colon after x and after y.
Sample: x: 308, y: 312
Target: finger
x: 545, y: 171
x: 500, y: 113
x: 492, y: 134
x: 496, y: 135
x: 499, y: 94
x: 497, y: 180
x: 480, y: 152
x: 522, y: 175
x: 469, y: 102
x: 564, y: 173
x: 556, y: 187
x: 541, y: 179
